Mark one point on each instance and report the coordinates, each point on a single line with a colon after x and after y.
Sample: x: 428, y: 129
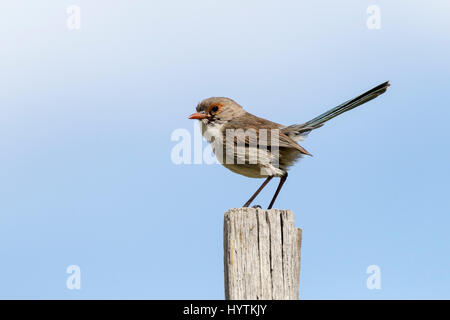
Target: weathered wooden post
x: 261, y: 254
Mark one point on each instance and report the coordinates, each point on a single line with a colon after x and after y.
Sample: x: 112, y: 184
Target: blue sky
x: 86, y: 118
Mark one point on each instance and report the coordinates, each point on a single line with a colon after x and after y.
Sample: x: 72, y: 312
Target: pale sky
x: 87, y: 115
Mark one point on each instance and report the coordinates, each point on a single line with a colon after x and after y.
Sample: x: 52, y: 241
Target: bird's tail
x: 305, y: 128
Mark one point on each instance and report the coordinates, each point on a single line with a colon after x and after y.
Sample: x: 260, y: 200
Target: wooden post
x: 261, y: 254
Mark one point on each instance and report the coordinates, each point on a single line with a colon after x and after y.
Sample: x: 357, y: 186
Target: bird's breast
x: 211, y: 130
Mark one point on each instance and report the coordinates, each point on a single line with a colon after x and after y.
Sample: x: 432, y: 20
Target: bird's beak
x: 198, y: 115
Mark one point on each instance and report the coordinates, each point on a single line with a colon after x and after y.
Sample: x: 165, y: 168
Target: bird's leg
x: 258, y: 191
x: 282, y: 180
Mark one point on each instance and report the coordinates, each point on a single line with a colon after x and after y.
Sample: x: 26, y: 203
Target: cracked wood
x: 261, y: 254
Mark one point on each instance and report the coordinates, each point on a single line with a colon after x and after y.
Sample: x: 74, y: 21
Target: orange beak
x: 198, y: 115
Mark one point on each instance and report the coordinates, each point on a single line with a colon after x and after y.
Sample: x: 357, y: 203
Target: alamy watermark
x: 228, y: 147
x: 374, y: 19
x: 373, y: 282
x: 74, y: 17
x: 73, y: 281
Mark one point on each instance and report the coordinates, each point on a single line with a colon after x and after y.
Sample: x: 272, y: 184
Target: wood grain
x: 261, y: 254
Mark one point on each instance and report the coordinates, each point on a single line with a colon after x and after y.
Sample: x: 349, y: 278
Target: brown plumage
x: 259, y: 148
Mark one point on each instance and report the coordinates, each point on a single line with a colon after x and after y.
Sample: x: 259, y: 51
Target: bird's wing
x: 253, y: 131
x: 287, y: 142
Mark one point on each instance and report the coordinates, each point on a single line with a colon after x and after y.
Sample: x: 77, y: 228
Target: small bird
x: 222, y: 118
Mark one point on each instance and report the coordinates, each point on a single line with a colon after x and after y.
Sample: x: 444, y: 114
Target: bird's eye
x: 215, y: 109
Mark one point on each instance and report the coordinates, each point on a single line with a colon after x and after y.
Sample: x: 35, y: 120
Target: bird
x: 268, y: 149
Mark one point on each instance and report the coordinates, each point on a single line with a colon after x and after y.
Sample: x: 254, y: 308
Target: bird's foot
x: 257, y: 206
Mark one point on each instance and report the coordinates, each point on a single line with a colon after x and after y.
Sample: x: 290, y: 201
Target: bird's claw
x: 257, y: 206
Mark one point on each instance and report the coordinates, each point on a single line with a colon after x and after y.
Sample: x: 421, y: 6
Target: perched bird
x: 227, y: 126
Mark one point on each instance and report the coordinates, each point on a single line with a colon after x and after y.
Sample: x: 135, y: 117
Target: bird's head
x: 217, y: 110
